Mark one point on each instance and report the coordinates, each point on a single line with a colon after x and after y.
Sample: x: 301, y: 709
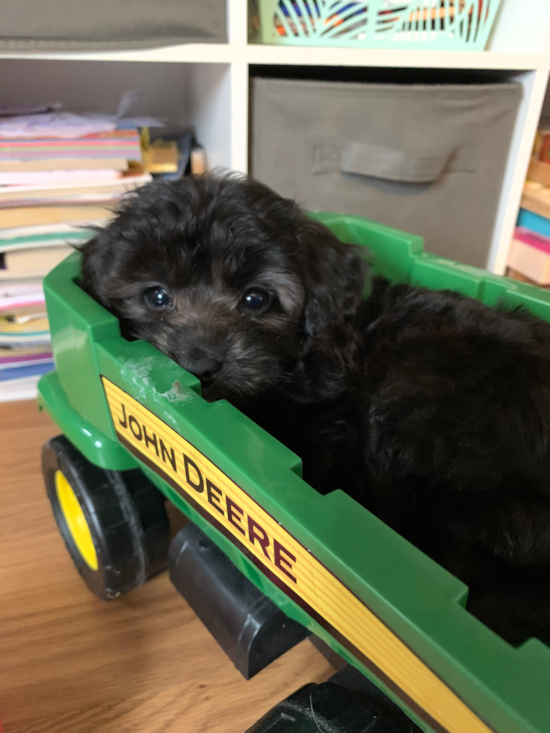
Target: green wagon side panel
x: 422, y: 603
x: 97, y: 447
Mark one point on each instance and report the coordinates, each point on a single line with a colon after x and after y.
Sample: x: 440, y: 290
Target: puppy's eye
x: 255, y: 300
x: 156, y: 297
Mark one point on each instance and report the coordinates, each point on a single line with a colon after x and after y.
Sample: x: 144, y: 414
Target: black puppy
x: 429, y: 408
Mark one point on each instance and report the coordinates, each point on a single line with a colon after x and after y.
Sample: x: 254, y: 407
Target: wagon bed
x: 328, y: 563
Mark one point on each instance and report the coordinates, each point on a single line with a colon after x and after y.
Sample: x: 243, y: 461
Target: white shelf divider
x: 238, y: 41
x: 521, y: 26
x: 534, y: 85
x: 199, y: 53
x: 307, y: 56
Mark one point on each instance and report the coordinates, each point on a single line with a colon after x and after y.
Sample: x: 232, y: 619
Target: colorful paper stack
x: 529, y: 257
x: 60, y: 174
x: 25, y: 351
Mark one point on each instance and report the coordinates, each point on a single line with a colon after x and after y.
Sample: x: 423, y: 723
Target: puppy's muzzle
x: 201, y: 364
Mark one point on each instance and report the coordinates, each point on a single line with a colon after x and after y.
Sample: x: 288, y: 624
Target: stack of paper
x: 25, y: 351
x: 60, y: 175
x: 30, y: 252
x: 530, y: 256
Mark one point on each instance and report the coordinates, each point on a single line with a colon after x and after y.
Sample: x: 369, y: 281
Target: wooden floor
x: 70, y: 663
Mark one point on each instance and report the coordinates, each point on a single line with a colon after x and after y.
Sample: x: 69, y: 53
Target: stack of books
x: 60, y: 176
x: 529, y: 257
x: 25, y: 351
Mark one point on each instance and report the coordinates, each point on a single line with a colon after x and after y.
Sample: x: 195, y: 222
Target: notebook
x: 59, y: 164
x: 38, y: 241
x: 27, y: 370
x: 33, y: 332
x: 37, y: 215
x: 19, y: 389
x: 530, y: 255
x: 12, y: 361
x: 36, y: 260
x: 115, y: 144
x: 14, y: 195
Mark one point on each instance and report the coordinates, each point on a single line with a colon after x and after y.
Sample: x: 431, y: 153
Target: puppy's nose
x: 203, y: 366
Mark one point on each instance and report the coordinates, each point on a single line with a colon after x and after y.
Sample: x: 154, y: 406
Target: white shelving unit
x: 206, y: 85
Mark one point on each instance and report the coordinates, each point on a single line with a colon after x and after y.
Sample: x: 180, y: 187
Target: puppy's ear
x: 97, y: 262
x: 333, y: 275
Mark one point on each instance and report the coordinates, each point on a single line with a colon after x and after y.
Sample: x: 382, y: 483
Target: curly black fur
x: 431, y: 409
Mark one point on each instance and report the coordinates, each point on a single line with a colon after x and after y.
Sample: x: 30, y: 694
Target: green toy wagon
x: 136, y: 430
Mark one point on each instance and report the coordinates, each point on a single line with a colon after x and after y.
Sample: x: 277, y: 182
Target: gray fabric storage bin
x: 426, y: 159
x: 92, y: 25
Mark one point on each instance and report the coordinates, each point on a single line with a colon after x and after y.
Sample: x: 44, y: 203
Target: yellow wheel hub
x: 76, y: 521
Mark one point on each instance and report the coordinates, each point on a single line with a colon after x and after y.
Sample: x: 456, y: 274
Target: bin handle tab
x: 391, y: 164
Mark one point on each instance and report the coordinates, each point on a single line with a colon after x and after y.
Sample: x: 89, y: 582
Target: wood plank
x: 72, y: 664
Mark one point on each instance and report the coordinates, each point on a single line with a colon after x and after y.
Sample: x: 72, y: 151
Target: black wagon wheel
x: 114, y: 523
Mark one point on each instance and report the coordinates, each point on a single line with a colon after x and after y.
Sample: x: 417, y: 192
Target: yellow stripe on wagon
x: 279, y: 554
